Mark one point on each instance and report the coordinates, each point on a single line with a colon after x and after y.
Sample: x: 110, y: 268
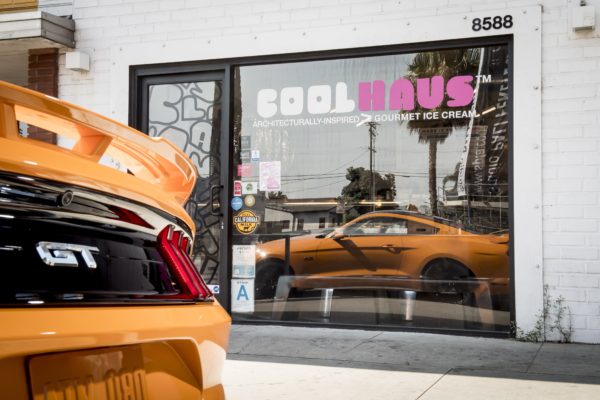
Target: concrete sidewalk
x: 274, y: 362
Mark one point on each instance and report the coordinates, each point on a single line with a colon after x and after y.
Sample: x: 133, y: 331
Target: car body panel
x: 196, y: 336
x: 355, y: 255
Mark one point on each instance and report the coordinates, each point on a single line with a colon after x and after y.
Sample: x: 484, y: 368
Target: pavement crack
x: 534, y: 358
x: 434, y: 383
x: 360, y: 343
x: 243, y: 349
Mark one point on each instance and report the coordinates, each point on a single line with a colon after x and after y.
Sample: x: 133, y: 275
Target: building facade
x: 415, y: 165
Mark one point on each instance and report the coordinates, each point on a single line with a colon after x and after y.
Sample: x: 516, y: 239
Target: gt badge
x: 246, y: 221
x: 63, y: 254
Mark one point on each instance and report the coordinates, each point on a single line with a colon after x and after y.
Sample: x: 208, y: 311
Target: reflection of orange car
x: 99, y: 298
x: 388, y: 243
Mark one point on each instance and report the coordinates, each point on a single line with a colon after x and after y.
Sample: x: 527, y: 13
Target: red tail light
x: 174, y: 247
x: 126, y: 215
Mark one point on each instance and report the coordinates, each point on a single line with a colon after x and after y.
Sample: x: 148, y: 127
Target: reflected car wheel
x: 267, y: 276
x: 446, y: 270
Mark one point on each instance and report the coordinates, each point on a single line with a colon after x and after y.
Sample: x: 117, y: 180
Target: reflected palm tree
x: 446, y: 63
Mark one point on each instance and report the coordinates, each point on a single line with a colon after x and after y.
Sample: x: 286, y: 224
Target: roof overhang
x: 34, y: 30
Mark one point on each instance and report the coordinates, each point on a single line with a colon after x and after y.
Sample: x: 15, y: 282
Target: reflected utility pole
x: 372, y: 135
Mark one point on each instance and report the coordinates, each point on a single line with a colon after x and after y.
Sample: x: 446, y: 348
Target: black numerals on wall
x: 497, y: 22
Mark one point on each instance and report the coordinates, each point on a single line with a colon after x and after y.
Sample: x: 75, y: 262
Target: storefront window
x: 374, y: 190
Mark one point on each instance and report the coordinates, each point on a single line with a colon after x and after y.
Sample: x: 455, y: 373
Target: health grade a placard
x: 242, y: 295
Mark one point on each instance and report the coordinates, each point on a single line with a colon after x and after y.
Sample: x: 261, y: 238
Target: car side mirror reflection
x: 338, y: 235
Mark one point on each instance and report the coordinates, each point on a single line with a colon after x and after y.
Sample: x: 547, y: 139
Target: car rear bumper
x: 183, y: 347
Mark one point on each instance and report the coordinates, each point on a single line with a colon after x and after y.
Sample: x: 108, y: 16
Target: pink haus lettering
x: 402, y: 94
x: 429, y: 93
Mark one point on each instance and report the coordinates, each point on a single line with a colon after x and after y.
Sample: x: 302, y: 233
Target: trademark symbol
x: 483, y: 78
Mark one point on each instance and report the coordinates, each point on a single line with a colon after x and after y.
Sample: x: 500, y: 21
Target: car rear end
x: 99, y: 298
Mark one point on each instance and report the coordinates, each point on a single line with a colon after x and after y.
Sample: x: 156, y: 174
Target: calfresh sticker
x: 236, y: 203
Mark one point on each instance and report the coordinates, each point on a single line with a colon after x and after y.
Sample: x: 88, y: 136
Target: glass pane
x: 189, y: 115
x: 374, y: 190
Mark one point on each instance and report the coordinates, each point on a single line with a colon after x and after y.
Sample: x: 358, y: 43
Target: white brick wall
x: 570, y: 100
x: 571, y: 160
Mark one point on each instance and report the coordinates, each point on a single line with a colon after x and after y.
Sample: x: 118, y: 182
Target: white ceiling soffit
x: 39, y: 28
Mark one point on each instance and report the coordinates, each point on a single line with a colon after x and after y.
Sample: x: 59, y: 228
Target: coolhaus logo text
x: 384, y: 102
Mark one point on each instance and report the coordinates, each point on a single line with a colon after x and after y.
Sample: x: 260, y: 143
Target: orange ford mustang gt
x: 99, y: 298
x: 387, y: 243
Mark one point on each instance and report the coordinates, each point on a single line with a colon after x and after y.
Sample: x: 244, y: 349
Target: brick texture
x: 570, y: 105
x: 43, y: 77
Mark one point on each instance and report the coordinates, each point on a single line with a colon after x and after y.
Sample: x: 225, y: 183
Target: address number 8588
x: 496, y: 22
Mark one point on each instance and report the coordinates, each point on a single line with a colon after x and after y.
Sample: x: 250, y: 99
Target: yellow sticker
x: 246, y: 221
x: 249, y: 200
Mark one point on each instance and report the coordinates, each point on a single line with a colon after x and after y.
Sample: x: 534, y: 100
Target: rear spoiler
x: 151, y: 163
